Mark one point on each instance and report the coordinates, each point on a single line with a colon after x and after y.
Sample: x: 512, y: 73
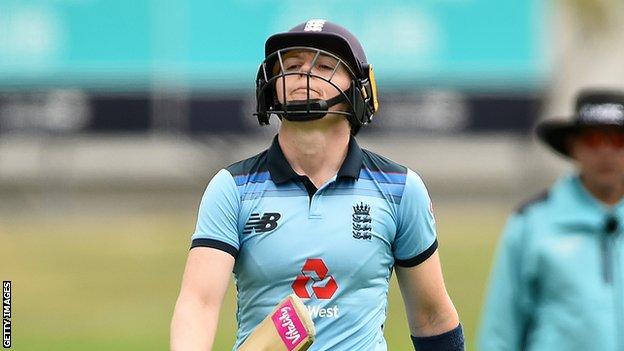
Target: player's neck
x: 316, y: 149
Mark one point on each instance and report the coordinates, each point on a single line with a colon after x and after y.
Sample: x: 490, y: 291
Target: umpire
x: 558, y: 278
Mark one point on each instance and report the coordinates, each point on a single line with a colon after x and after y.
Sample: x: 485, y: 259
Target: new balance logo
x: 263, y: 224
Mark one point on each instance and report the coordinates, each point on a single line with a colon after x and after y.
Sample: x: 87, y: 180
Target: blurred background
x: 115, y: 114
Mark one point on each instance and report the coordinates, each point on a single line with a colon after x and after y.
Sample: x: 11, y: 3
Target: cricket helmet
x: 322, y: 38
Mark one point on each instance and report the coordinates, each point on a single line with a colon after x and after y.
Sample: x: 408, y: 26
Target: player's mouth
x: 304, y: 92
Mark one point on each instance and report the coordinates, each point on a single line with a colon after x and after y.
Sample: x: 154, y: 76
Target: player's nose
x: 306, y: 67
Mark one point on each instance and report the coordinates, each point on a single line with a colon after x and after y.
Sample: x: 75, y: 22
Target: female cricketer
x: 315, y: 214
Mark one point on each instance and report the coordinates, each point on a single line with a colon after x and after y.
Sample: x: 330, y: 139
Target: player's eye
x: 292, y: 66
x: 326, y: 67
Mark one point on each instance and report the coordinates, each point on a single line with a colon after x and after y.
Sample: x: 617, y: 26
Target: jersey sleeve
x: 217, y: 221
x: 415, y: 239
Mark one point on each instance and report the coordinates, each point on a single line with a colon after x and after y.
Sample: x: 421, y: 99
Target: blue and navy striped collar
x: 281, y: 171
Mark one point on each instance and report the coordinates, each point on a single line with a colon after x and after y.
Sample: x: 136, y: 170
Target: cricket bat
x: 288, y: 328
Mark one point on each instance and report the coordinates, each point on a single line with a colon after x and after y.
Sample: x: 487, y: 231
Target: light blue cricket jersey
x: 558, y: 279
x: 334, y: 247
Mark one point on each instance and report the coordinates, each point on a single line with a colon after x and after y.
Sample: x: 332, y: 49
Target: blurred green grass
x: 109, y: 282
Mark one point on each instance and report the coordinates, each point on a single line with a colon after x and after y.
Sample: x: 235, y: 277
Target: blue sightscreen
x: 217, y: 45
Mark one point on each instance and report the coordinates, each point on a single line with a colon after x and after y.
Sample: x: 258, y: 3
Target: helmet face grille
x: 360, y: 98
x: 273, y: 71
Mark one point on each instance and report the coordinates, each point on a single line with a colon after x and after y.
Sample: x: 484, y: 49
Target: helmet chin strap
x: 297, y: 110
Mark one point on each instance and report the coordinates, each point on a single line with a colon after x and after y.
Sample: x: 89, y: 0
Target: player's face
x: 599, y: 153
x: 296, y: 85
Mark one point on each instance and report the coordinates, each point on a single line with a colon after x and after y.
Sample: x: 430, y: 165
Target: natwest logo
x: 315, y: 281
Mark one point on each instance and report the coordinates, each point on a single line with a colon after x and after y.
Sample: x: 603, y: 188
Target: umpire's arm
x: 504, y: 320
